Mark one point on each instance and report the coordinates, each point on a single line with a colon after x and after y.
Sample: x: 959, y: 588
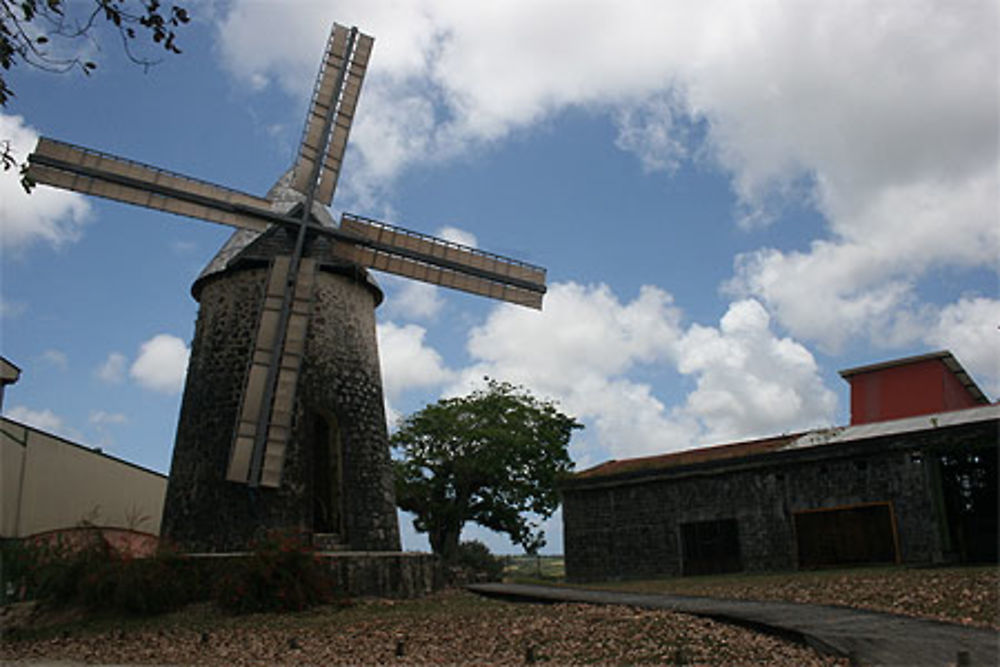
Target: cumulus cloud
x: 409, y: 299
x: 749, y: 381
x: 882, y: 116
x: 43, y: 420
x: 161, y: 364
x: 587, y: 346
x: 857, y: 282
x: 113, y: 369
x: 46, y: 215
x: 407, y: 362
x: 970, y: 328
x: 460, y: 236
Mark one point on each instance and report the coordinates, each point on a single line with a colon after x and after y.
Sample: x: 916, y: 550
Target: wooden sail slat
x: 407, y: 253
x: 283, y: 407
x: 255, y: 388
x: 437, y: 275
x: 85, y: 171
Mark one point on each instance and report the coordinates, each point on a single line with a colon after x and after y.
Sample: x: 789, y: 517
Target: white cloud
x: 578, y: 351
x: 161, y: 364
x: 407, y: 362
x: 113, y: 368
x: 970, y: 328
x: 460, y: 236
x: 858, y: 282
x: 410, y: 299
x: 103, y: 422
x: 649, y: 130
x: 43, y: 420
x: 100, y: 417
x: 46, y: 215
x: 56, y: 358
x: 585, y: 348
x: 750, y: 382
x: 881, y: 115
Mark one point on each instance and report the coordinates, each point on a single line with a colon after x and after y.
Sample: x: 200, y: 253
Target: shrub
x: 282, y: 574
x: 88, y: 571
x: 153, y: 585
x: 16, y: 566
x: 67, y: 571
x: 479, y: 564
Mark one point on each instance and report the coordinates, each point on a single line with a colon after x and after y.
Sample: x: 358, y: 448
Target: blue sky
x: 733, y: 201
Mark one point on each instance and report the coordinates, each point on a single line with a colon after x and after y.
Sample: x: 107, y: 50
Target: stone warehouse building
x: 912, y: 479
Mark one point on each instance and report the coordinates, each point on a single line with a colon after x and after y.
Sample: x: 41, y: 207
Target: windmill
x: 264, y: 422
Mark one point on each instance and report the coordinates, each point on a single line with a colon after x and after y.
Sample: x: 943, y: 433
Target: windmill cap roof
x: 250, y: 245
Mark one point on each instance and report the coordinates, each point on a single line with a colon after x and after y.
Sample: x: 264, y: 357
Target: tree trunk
x: 444, y: 542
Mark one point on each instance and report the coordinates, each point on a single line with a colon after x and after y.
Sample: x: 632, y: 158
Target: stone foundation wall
x: 397, y: 574
x: 387, y: 575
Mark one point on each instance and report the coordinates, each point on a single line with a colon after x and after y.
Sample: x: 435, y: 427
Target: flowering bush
x: 282, y: 574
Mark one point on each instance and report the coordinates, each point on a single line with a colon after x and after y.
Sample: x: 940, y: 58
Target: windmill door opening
x: 710, y: 547
x: 846, y: 536
x: 327, y: 475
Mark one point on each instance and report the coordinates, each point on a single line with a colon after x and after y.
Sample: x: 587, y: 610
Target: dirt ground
x: 965, y: 595
x: 451, y: 627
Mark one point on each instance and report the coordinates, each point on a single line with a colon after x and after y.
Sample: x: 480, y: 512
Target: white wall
x: 50, y: 483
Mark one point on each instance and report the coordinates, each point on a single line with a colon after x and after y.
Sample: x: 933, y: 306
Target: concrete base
x: 382, y: 574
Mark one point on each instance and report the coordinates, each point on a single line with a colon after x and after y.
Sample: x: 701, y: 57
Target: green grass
x: 547, y: 569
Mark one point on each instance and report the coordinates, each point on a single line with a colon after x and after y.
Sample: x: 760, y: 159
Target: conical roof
x: 245, y: 242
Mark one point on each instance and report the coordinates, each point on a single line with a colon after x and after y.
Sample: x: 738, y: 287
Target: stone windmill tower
x: 282, y: 424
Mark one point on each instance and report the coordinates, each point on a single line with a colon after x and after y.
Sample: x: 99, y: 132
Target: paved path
x: 867, y: 637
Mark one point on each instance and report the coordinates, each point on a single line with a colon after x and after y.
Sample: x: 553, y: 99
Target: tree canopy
x: 490, y: 457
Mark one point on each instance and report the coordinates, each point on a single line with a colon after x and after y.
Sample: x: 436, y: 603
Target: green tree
x: 39, y: 33
x: 489, y: 457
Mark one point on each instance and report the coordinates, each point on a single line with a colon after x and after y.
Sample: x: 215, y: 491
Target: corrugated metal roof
x: 689, y: 457
x: 896, y: 426
x: 795, y: 441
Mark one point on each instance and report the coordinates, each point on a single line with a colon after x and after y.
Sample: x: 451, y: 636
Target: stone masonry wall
x: 624, y: 530
x: 340, y: 376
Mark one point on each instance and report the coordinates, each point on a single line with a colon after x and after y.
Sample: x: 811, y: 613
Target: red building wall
x: 907, y: 390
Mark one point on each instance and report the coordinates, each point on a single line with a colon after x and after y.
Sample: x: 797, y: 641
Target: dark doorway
x: 846, y: 536
x: 327, y: 476
x: 710, y: 547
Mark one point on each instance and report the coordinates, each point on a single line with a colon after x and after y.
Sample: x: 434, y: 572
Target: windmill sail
x: 266, y: 413
x: 432, y: 260
x: 244, y: 465
x: 337, y: 88
x: 91, y: 172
